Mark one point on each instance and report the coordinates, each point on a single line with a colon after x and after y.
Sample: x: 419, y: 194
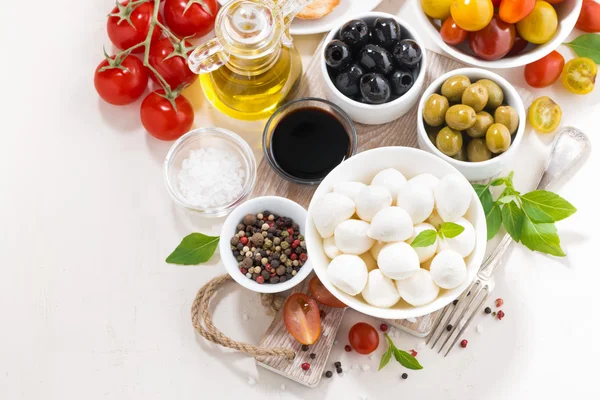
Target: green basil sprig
x: 195, y: 248
x: 403, y: 357
x: 447, y: 230
x: 587, y: 45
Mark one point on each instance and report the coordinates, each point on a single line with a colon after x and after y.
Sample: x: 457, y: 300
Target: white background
x: 89, y: 309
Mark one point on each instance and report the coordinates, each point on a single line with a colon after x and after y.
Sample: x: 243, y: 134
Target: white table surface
x: 89, y: 309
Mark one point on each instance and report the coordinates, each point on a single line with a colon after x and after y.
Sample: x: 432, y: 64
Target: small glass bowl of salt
x: 210, y: 171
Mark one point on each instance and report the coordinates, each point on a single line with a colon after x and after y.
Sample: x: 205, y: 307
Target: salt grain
x: 365, y: 367
x: 211, y: 177
x: 251, y: 381
x: 479, y: 328
x: 282, y: 386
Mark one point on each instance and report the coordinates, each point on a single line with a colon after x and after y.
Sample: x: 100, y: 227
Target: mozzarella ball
x: 392, y: 224
x: 417, y: 200
x: 330, y: 248
x: 452, y: 197
x: 464, y: 243
x: 376, y: 249
x: 435, y: 220
x: 398, y: 261
x: 380, y: 290
x: 426, y: 179
x: 419, y: 289
x: 391, y: 179
x: 348, y: 273
x: 329, y: 211
x: 370, y: 200
x: 424, y: 253
x: 351, y: 237
x: 349, y: 189
x: 369, y: 261
x: 448, y: 269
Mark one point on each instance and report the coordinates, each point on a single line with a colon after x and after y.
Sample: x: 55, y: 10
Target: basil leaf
x: 406, y: 359
x: 194, y: 249
x: 507, y: 199
x: 450, y: 230
x: 587, y: 45
x: 498, y: 182
x: 493, y: 219
x: 485, y: 196
x: 512, y: 218
x: 425, y: 238
x: 541, y: 237
x: 544, y: 206
x: 385, y: 359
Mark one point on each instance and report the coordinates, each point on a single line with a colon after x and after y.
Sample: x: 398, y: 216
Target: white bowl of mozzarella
x: 364, y: 216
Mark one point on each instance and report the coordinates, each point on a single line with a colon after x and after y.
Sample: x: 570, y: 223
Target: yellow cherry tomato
x: 472, y: 15
x: 540, y: 25
x: 436, y: 9
x: 544, y: 115
x: 579, y: 75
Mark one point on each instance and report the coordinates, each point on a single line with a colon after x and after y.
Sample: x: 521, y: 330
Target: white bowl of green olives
x: 472, y: 118
x: 373, y: 67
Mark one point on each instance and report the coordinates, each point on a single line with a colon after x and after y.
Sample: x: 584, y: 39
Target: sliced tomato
x: 544, y: 115
x: 579, y: 75
x: 322, y: 295
x: 301, y: 318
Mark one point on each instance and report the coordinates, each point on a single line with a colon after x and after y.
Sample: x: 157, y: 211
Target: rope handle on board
x: 201, y: 315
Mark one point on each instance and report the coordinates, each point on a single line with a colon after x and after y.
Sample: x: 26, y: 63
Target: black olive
x: 386, y: 32
x: 407, y: 53
x: 374, y: 88
x: 347, y: 80
x: 337, y: 54
x: 375, y: 58
x: 355, y: 33
x: 401, y: 80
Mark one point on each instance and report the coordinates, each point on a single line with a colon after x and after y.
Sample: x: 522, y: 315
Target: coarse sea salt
x: 211, y: 177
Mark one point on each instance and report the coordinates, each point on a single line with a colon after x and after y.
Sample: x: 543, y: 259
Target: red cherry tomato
x: 301, y: 318
x: 191, y: 17
x: 589, y: 19
x: 494, y: 41
x: 544, y: 72
x: 161, y: 120
x: 363, y: 338
x: 120, y: 86
x: 512, y: 11
x: 518, y: 47
x: 124, y: 34
x: 173, y: 69
x: 322, y: 295
x: 452, y: 33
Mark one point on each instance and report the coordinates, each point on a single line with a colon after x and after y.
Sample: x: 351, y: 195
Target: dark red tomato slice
x: 363, y: 338
x: 124, y: 34
x: 452, y: 33
x: 120, y: 86
x: 301, y: 318
x: 173, y: 68
x: 545, y: 71
x: 494, y: 41
x: 322, y: 295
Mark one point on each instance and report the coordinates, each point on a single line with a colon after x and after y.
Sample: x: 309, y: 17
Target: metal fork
x: 570, y: 149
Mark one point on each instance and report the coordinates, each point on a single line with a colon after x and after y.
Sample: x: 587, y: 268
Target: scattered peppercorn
x: 312, y: 356
x: 499, y: 302
x: 494, y: 314
x: 413, y: 353
x: 348, y: 348
x: 449, y: 327
x: 464, y: 343
x: 305, y: 366
x: 304, y: 347
x: 487, y: 310
x: 329, y: 374
x: 404, y: 375
x: 322, y: 314
x: 455, y: 302
x: 337, y: 364
x: 339, y: 370
x: 244, y: 240
x: 383, y: 327
x: 500, y: 314
x: 260, y: 279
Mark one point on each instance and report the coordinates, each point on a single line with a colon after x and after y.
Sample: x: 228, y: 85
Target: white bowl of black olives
x: 374, y: 67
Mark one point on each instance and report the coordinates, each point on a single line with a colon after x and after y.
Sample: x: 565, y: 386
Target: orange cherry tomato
x: 452, y: 33
x: 301, y: 318
x: 545, y: 71
x: 363, y: 338
x: 589, y: 19
x: 322, y: 295
x: 472, y: 15
x: 512, y: 11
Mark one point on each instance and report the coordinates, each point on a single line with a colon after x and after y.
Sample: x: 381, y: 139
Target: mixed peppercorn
x: 269, y: 248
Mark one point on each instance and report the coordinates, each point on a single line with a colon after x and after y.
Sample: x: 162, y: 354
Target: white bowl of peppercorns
x: 262, y: 244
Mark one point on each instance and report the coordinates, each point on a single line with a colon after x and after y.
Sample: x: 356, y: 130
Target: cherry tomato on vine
x: 545, y: 71
x: 544, y: 115
x: 579, y: 75
x: 322, y: 295
x: 173, y: 69
x: 122, y: 83
x: 363, y: 338
x: 494, y: 41
x: 301, y: 318
x: 472, y: 15
x: 191, y: 17
x: 512, y: 11
x: 124, y: 34
x: 161, y: 120
x: 452, y: 33
x: 589, y: 18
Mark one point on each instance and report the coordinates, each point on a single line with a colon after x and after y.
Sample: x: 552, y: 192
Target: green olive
x: 508, y: 117
x: 483, y: 121
x: 495, y: 93
x: 454, y: 87
x: 460, y: 117
x: 477, y: 151
x: 475, y: 96
x: 497, y: 138
x: 462, y: 153
x: 435, y: 109
x: 449, y: 141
